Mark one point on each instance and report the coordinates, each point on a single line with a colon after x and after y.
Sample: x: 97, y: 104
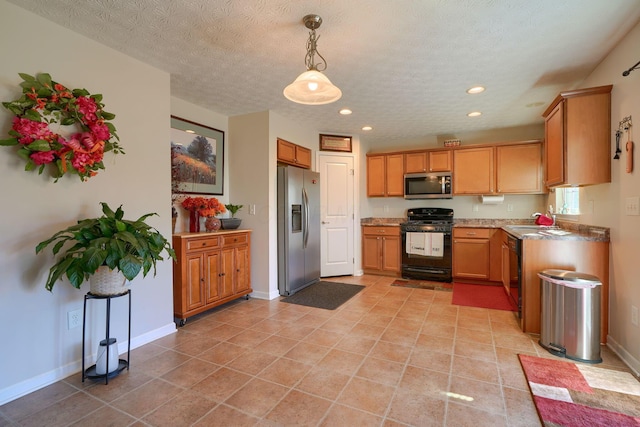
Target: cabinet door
x: 241, y: 264
x: 303, y: 157
x: 391, y: 253
x: 554, y: 146
x: 395, y: 175
x: 212, y: 275
x: 195, y: 282
x: 471, y: 258
x: 519, y: 168
x: 473, y: 171
x: 226, y: 272
x: 376, y: 176
x: 286, y: 151
x: 371, y: 252
x: 440, y: 161
x: 415, y: 162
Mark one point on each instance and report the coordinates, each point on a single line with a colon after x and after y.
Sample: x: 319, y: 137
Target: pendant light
x: 312, y: 87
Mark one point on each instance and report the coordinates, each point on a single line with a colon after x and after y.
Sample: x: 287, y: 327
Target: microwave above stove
x: 427, y: 185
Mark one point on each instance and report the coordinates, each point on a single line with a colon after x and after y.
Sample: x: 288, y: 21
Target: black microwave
x: 427, y: 185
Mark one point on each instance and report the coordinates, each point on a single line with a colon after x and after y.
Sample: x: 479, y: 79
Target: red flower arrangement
x: 205, y: 207
x: 45, y: 102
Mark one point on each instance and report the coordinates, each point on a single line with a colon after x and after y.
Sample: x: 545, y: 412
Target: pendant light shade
x: 312, y: 87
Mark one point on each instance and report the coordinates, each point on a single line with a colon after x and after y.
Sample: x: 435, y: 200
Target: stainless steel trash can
x: 570, y: 315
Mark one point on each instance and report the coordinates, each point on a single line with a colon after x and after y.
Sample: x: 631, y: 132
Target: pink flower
x: 30, y: 131
x: 100, y: 131
x: 42, y: 157
x: 86, y: 105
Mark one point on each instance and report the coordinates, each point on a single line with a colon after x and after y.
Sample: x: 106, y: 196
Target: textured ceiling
x: 403, y: 66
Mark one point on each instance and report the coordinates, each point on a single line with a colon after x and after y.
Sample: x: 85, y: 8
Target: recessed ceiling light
x: 367, y: 128
x: 474, y: 114
x: 475, y: 89
x: 345, y: 111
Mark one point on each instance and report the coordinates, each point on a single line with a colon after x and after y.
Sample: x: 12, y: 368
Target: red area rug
x: 579, y: 395
x: 483, y: 296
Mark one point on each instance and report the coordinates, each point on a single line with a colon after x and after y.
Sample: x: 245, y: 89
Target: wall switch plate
x: 632, y: 205
x: 509, y: 207
x: 475, y: 208
x: 634, y: 315
x: 252, y: 209
x: 386, y: 208
x: 74, y: 319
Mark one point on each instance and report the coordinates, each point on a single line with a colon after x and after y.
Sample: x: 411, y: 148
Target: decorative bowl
x: 230, y: 223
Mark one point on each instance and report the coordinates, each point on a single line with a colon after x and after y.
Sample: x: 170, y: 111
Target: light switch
x: 632, y: 206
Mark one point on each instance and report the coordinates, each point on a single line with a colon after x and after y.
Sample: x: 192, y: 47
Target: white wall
x: 37, y: 347
x: 609, y: 199
x: 195, y: 113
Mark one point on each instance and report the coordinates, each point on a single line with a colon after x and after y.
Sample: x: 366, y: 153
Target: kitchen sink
x: 545, y: 230
x: 534, y: 227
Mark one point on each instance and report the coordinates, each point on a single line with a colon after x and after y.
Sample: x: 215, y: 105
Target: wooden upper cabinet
x: 385, y: 175
x: 395, y: 175
x: 473, y: 171
x: 294, y: 154
x: 519, y: 168
x: 415, y: 162
x: 440, y: 161
x: 578, y: 137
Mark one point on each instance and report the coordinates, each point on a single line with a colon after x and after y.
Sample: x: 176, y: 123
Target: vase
x: 212, y: 224
x: 230, y: 223
x: 194, y: 221
x: 105, y: 282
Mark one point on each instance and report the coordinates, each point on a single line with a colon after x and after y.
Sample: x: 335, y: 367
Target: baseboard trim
x: 30, y: 385
x: 632, y: 362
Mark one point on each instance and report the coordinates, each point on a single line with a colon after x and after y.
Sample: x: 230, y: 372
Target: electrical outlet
x: 386, y: 208
x: 74, y: 319
x: 475, y: 208
x: 509, y: 207
x: 634, y: 315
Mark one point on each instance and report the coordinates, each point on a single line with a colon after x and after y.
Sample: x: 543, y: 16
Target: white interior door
x: 337, y: 214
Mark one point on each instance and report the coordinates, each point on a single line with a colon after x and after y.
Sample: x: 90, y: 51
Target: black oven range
x: 426, y: 244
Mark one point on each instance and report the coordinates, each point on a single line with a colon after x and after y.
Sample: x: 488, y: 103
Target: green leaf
x: 39, y: 145
x: 68, y: 121
x: 27, y: 77
x: 130, y: 266
x: 44, y: 79
x: 32, y: 115
x: 107, y: 116
x: 9, y: 142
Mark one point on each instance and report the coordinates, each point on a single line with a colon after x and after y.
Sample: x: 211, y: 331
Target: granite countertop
x: 564, y: 230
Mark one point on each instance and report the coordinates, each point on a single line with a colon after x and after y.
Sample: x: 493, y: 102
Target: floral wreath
x: 45, y: 102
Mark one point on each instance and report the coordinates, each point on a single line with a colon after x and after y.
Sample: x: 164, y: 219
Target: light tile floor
x: 390, y: 356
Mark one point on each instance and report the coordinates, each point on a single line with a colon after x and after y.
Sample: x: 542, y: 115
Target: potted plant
x: 104, y: 247
x: 233, y: 222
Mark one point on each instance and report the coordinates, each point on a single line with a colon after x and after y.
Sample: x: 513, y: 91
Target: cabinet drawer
x: 206, y: 243
x: 381, y: 231
x: 234, y: 239
x: 472, y: 233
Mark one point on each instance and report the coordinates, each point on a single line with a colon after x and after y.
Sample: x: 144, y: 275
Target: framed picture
x: 197, y: 158
x: 335, y: 143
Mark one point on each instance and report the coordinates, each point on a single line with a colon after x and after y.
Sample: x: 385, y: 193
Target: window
x: 568, y: 201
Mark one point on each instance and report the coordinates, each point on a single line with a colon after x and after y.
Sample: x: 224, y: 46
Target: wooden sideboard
x: 211, y: 269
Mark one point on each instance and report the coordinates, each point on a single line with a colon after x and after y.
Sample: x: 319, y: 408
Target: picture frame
x: 197, y: 158
x: 335, y: 143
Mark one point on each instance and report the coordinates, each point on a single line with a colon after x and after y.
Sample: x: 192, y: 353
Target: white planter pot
x: 106, y: 282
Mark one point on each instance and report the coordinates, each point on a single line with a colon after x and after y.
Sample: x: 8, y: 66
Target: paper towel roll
x: 492, y: 200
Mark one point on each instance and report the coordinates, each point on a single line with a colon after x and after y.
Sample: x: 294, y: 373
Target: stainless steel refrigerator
x: 298, y: 229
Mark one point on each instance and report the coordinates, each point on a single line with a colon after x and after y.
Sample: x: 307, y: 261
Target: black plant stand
x: 122, y: 364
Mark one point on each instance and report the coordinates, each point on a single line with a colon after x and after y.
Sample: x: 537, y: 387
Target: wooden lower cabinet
x: 590, y: 257
x: 211, y: 269
x: 477, y: 254
x: 381, y: 250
